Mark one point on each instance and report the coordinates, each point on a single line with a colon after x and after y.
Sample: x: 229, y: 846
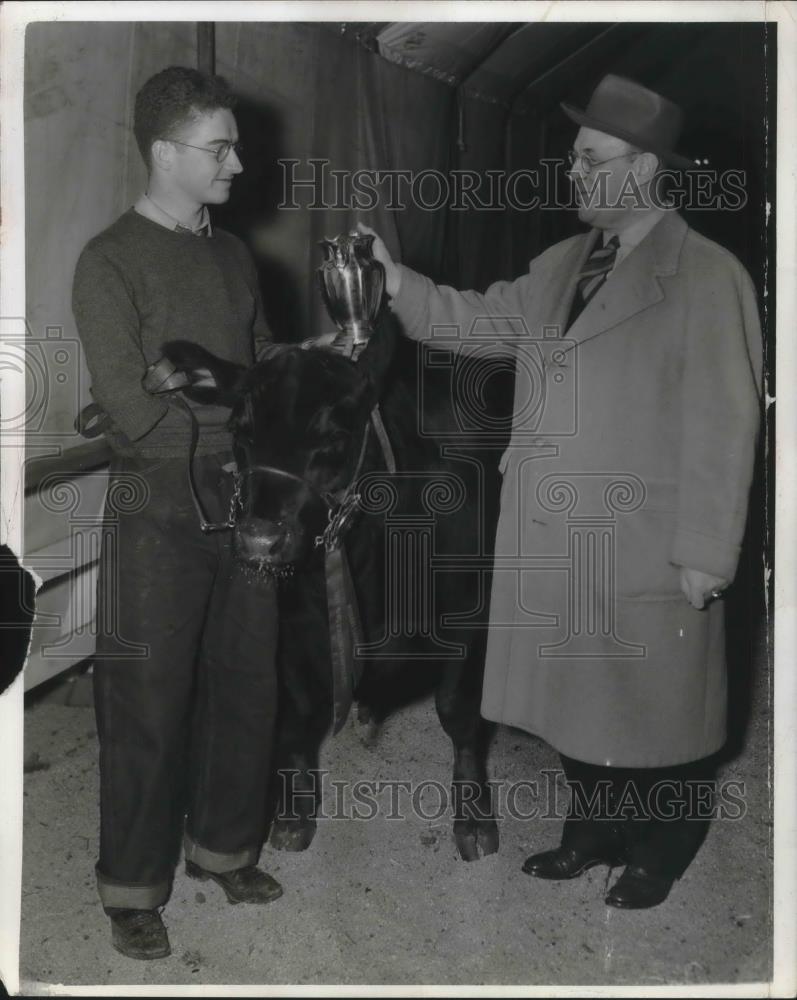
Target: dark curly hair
x: 173, y: 98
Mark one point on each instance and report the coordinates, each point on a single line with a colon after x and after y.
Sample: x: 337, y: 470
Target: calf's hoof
x: 242, y: 885
x: 476, y: 839
x: 364, y: 713
x: 292, y: 835
x: 369, y: 726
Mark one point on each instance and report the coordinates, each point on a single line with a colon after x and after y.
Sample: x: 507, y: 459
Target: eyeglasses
x: 221, y: 152
x: 587, y: 163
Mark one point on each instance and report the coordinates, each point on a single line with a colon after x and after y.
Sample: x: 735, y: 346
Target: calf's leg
x: 304, y: 714
x: 458, y: 699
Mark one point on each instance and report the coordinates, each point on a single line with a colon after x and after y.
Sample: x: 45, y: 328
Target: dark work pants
x: 658, y: 816
x: 184, y: 684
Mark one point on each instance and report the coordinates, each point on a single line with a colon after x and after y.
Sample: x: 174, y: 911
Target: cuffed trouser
x: 184, y: 685
x: 658, y: 815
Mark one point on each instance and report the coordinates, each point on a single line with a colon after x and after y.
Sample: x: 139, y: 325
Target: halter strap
x: 164, y: 378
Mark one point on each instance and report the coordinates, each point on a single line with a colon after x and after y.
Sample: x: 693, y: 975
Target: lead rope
x: 345, y: 625
x: 205, y: 525
x: 345, y: 629
x: 384, y: 440
x: 345, y: 633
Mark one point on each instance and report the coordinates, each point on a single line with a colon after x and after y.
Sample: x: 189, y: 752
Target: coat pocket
x: 644, y: 540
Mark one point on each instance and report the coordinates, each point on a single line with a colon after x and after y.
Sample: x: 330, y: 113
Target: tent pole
x: 206, y: 47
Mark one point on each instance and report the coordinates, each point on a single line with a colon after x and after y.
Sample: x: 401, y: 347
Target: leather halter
x: 345, y: 629
x: 164, y: 378
x: 341, y: 505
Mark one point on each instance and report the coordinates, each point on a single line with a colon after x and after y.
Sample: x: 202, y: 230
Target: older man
x: 185, y: 673
x: 626, y: 484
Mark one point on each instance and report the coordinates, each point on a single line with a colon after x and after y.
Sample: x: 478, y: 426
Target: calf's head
x: 298, y: 419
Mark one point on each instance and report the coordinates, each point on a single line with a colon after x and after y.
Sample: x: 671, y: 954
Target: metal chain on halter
x: 341, y: 514
x: 338, y: 521
x: 235, y: 499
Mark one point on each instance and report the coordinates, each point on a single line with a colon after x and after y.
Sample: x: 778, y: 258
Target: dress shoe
x: 139, y: 933
x: 567, y: 862
x: 637, y: 889
x: 243, y: 885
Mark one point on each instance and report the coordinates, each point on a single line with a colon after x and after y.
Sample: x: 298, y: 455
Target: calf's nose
x: 260, y: 540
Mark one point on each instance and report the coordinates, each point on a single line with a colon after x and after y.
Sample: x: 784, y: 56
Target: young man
x: 624, y: 496
x: 184, y: 674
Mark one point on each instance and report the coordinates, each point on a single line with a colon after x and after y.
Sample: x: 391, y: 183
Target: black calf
x: 419, y: 550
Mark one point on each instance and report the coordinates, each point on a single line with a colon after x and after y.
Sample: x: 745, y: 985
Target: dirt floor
x: 387, y: 901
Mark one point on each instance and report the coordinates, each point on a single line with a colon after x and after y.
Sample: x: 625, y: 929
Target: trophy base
x: 351, y: 340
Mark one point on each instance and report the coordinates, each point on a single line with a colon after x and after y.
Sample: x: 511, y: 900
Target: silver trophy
x: 352, y: 282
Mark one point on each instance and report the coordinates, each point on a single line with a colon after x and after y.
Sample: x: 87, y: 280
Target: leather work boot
x: 638, y: 889
x: 243, y: 885
x: 571, y: 860
x: 566, y: 862
x: 139, y: 933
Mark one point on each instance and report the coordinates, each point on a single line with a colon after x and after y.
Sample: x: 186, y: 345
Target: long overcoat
x: 631, y: 456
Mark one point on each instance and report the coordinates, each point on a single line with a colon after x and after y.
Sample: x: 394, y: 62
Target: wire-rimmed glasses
x: 588, y: 164
x: 221, y: 151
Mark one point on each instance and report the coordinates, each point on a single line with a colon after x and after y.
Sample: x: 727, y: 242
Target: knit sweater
x: 138, y: 285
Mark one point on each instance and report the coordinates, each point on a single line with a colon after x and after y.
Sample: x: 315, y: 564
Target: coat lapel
x: 634, y: 285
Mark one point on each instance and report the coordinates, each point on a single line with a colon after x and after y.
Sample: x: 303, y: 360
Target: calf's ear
x: 213, y: 380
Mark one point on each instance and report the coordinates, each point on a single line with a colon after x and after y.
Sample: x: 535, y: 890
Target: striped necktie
x: 593, y: 274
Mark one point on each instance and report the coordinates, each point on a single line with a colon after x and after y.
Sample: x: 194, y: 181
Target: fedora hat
x: 627, y: 110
